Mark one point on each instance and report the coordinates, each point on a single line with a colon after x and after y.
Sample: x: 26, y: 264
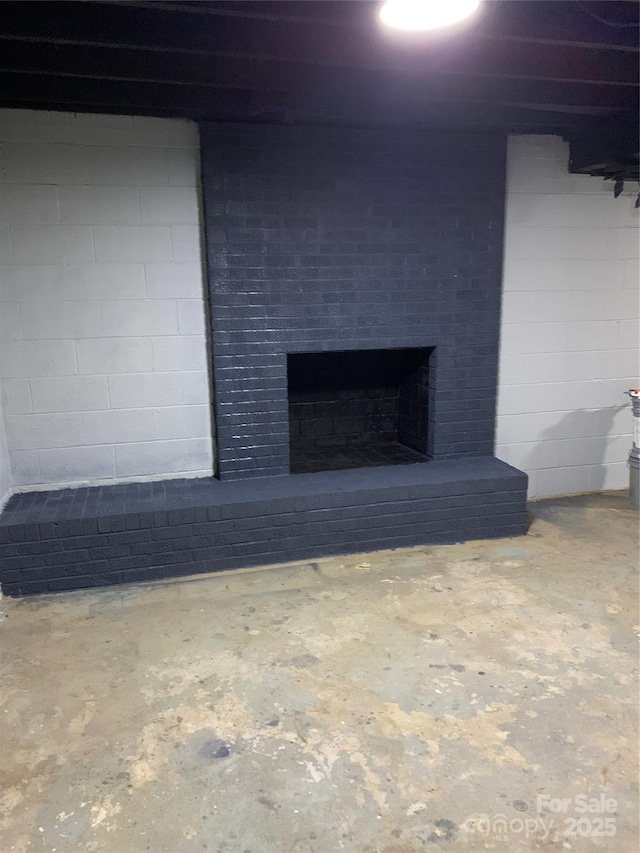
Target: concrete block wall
x: 5, y: 470
x: 104, y: 355
x: 570, y: 331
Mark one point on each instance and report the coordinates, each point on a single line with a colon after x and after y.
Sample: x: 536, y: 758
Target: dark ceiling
x: 530, y: 66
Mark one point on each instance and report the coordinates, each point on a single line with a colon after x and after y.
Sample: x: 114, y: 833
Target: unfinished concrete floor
x: 430, y: 698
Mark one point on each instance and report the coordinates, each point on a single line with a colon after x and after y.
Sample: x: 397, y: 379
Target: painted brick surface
x: 102, y: 339
x: 570, y: 328
x: 74, y: 538
x: 322, y: 239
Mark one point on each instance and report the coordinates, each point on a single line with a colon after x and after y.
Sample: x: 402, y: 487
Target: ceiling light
x: 426, y: 14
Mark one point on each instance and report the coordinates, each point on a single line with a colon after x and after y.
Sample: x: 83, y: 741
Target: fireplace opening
x: 358, y: 409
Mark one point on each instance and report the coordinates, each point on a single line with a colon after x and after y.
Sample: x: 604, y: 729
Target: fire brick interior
x: 357, y: 409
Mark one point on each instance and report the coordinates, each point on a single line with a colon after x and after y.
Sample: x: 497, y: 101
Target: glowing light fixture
x: 426, y: 14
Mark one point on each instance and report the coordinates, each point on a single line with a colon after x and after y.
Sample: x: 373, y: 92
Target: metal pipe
x: 634, y: 453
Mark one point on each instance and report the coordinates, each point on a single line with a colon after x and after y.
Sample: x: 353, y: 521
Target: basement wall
x: 5, y: 470
x: 569, y: 343
x: 104, y: 361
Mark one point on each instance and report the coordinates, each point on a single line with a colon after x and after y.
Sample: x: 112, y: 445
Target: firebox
x: 357, y: 409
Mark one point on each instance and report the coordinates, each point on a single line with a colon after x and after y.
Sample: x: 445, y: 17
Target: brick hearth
x: 77, y: 538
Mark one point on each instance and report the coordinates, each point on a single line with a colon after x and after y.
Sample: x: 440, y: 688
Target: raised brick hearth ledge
x: 74, y: 538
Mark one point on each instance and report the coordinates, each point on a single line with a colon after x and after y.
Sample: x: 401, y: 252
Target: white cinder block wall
x: 569, y: 323
x: 5, y: 471
x: 104, y: 364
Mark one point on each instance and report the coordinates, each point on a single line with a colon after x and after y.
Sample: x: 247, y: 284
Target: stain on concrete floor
x: 471, y: 697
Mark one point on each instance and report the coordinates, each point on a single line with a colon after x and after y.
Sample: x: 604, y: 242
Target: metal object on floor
x: 634, y: 453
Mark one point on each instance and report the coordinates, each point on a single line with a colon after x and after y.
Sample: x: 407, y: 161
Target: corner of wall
x: 5, y: 470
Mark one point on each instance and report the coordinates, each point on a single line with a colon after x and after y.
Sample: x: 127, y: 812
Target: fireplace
x: 354, y: 283
x: 356, y: 409
x: 381, y: 250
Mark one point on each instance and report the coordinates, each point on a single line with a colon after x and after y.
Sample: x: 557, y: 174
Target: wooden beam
x: 160, y: 29
x: 537, y: 21
x: 69, y: 93
x: 103, y: 63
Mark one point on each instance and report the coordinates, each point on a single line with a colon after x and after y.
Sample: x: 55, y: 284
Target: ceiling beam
x: 305, y: 79
x: 561, y: 21
x: 568, y: 64
x: 26, y: 90
x: 160, y: 29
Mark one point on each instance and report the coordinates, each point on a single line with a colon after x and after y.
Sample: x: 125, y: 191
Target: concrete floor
x: 431, y: 698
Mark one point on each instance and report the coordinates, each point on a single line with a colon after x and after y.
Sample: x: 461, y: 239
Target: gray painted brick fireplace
x: 325, y: 247
x: 331, y: 239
